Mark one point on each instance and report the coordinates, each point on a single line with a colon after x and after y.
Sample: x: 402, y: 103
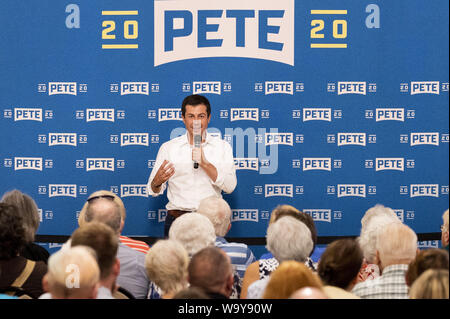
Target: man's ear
x: 45, y: 284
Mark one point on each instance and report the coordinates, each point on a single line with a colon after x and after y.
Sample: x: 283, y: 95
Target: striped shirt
x: 134, y: 244
x: 390, y: 285
x: 241, y: 256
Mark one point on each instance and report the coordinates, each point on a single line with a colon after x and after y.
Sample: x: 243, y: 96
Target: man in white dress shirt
x: 174, y: 165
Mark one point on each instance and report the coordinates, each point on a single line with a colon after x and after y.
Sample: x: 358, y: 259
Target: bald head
x: 105, y: 211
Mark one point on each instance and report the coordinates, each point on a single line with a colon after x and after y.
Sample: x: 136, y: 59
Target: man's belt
x: 175, y: 213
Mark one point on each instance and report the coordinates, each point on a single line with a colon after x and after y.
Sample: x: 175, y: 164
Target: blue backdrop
x: 331, y: 106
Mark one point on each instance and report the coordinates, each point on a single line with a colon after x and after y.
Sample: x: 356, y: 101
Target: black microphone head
x: 195, y: 165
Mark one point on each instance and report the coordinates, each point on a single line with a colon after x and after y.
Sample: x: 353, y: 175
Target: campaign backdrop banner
x: 330, y: 106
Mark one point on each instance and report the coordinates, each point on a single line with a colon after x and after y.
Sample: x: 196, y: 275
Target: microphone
x: 197, y: 134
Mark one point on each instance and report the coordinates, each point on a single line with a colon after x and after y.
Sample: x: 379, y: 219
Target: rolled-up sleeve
x: 162, y: 155
x: 226, y: 172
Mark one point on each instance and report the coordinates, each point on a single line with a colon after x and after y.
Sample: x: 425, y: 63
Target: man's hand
x: 199, y: 156
x: 165, y: 171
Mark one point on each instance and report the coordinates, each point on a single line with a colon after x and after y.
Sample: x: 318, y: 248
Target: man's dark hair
x: 12, y: 231
x: 194, y: 100
x: 209, y: 269
x: 340, y: 263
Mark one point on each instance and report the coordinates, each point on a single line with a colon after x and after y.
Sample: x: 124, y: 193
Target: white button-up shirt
x: 188, y: 186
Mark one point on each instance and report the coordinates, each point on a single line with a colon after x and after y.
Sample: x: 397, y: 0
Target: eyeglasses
x: 100, y: 196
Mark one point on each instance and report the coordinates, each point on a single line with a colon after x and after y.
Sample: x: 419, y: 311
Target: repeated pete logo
x: 250, y: 215
x: 133, y: 190
x: 246, y: 163
x: 346, y: 190
x: 134, y: 88
x: 213, y: 87
x: 317, y: 163
x: 260, y: 29
x: 62, y: 139
x: 127, y: 139
x: 286, y: 190
x: 244, y: 114
x: 321, y: 215
x: 352, y: 139
x: 351, y: 88
x: 418, y: 190
x: 424, y: 138
x: 105, y: 164
x: 34, y: 163
x: 317, y: 114
x: 100, y: 115
x: 384, y: 163
x: 279, y: 87
x: 69, y: 88
x: 279, y: 138
x: 424, y: 87
x: 169, y: 114
x: 69, y: 190
x: 28, y: 114
x: 389, y: 114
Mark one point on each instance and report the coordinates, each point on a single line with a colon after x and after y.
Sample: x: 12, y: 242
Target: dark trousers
x: 167, y: 224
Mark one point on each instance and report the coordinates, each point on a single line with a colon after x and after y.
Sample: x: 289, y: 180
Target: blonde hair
x: 218, y: 212
x: 166, y: 265
x: 100, y: 193
x: 73, y: 272
x: 396, y: 244
x: 445, y: 220
x: 289, y: 277
x: 432, y: 284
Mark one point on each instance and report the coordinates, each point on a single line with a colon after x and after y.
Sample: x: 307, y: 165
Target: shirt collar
x: 393, y: 269
x: 221, y: 240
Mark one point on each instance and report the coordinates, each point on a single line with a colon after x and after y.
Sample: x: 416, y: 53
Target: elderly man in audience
x: 28, y: 209
x: 375, y: 217
x: 338, y: 268
x: 73, y: 273
x: 287, y: 239
x: 396, y: 247
x: 105, y: 243
x: 127, y: 241
x: 133, y: 276
x: 219, y: 213
x: 166, y: 264
x: 211, y: 270
x: 16, y: 271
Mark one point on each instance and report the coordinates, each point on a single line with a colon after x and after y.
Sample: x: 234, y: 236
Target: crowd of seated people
x: 196, y: 261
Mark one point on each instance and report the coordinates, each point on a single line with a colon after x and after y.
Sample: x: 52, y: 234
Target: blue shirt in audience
x: 240, y: 254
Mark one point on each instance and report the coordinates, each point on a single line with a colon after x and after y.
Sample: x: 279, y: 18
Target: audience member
x: 432, y: 284
x: 132, y: 243
x: 444, y: 231
x: 426, y: 259
x: 28, y: 209
x: 288, y: 278
x: 219, y: 213
x: 338, y: 268
x: 104, y: 242
x: 133, y: 276
x: 308, y: 293
x: 191, y: 293
x: 17, y: 271
x: 374, y: 219
x: 73, y: 273
x: 288, y: 210
x: 396, y: 247
x: 193, y: 231
x: 287, y: 239
x: 210, y: 269
x: 166, y: 264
